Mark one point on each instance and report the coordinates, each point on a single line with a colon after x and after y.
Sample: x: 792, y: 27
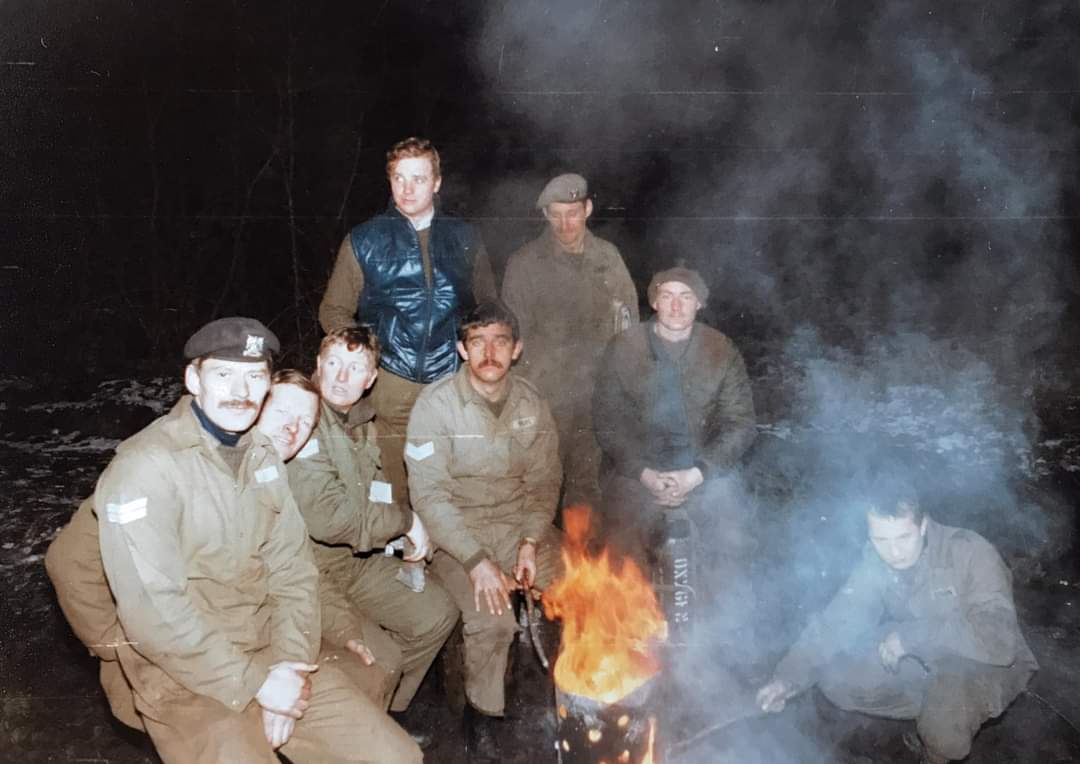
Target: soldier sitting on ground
x: 675, y: 414
x: 73, y: 562
x: 924, y: 628
x: 484, y: 475
x: 207, y: 560
x: 352, y: 512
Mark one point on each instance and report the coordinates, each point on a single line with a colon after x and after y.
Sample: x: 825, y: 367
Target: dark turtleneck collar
x: 224, y: 437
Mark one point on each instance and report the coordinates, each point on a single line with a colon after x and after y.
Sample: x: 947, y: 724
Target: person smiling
x: 216, y: 591
x: 925, y: 628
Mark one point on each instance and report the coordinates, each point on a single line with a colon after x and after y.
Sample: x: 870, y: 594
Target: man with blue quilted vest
x: 409, y: 273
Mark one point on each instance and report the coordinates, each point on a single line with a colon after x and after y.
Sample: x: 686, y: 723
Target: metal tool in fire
x: 674, y: 576
x: 534, y: 635
x: 532, y: 621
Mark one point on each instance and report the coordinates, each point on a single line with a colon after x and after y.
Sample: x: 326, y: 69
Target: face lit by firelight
x: 288, y: 417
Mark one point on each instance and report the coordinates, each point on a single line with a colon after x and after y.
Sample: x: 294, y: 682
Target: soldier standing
x: 571, y: 293
x: 409, y: 273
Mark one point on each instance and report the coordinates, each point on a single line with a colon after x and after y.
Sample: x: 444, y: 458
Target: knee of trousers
x: 435, y: 621
x: 837, y: 692
x: 490, y: 630
x: 951, y: 715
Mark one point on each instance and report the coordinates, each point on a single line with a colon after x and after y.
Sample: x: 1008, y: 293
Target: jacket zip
x: 421, y: 355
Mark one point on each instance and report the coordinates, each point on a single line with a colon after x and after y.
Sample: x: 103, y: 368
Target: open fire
x: 612, y: 624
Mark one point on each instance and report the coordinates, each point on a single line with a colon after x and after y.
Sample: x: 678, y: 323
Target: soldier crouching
x: 924, y: 628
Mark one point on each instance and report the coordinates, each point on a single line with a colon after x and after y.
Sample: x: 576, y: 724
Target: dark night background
x: 882, y: 197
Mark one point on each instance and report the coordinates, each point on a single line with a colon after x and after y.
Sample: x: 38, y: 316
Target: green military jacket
x: 568, y: 306
x: 73, y: 562
x: 714, y: 388
x: 338, y: 483
x: 956, y: 601
x: 482, y: 483
x: 211, y: 570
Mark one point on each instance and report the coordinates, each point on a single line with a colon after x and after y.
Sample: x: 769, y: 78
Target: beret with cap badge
x: 569, y: 187
x: 235, y: 338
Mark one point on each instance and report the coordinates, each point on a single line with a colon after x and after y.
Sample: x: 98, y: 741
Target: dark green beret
x: 232, y: 339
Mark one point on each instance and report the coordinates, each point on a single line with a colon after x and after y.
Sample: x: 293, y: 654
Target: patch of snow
x: 73, y: 442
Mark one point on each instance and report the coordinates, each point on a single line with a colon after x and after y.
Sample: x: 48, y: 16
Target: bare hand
x: 287, y: 688
x: 278, y: 728
x: 418, y: 536
x: 525, y: 570
x: 684, y: 482
x: 656, y: 483
x: 491, y: 586
x: 774, y: 696
x: 891, y: 652
x: 359, y: 648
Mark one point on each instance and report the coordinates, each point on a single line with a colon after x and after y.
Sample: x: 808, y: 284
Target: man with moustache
x: 409, y: 272
x: 484, y: 472
x: 351, y: 514
x: 215, y: 587
x: 571, y: 293
x: 73, y: 562
x: 675, y: 413
x: 925, y: 628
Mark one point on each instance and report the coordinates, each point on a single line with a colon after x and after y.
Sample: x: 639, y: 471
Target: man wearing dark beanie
x: 216, y: 591
x: 675, y: 415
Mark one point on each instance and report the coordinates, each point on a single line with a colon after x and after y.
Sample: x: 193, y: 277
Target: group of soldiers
x: 236, y: 572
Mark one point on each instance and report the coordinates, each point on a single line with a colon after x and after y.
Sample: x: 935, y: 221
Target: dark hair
x: 354, y: 337
x: 894, y: 497
x: 486, y: 314
x: 413, y: 147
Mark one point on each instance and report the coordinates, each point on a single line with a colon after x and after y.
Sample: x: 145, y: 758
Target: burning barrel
x: 607, y: 663
x: 593, y: 732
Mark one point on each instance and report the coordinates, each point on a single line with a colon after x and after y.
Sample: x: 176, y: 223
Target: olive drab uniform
x: 214, y: 583
x: 73, y: 562
x: 482, y: 483
x: 569, y: 305
x: 953, y: 611
x: 350, y: 512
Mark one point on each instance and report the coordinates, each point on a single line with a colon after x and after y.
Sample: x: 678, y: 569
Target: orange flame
x: 611, y: 620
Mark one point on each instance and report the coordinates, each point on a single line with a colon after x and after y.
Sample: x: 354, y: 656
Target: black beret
x: 232, y: 339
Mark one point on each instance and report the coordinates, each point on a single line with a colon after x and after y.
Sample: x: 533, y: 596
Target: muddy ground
x: 55, y: 440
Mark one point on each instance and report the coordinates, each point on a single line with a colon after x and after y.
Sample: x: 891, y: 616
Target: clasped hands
x: 673, y: 487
